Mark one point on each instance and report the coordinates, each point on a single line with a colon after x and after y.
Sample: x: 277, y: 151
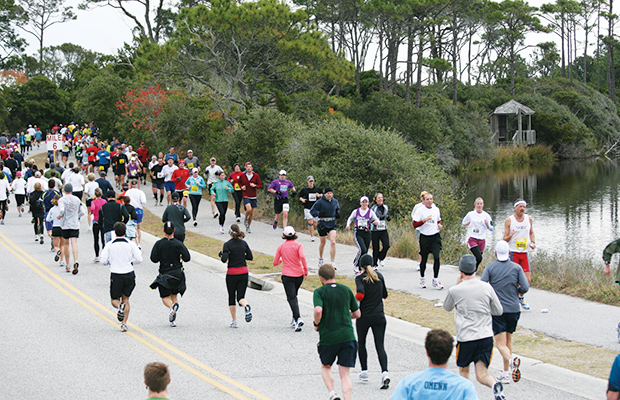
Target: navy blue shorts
x: 169, y: 186
x: 346, y: 353
x: 507, y: 322
x: 474, y: 351
x: 251, y: 202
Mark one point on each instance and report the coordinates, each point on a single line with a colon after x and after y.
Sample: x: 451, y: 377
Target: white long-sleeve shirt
x: 71, y: 209
x: 121, y: 255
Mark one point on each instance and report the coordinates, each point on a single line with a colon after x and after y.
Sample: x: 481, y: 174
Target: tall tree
x: 610, y: 41
x: 558, y: 15
x: 515, y: 18
x: 251, y: 54
x: 11, y: 16
x: 152, y: 19
x: 41, y: 15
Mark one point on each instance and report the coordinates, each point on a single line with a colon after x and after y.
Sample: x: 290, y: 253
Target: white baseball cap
x: 288, y: 231
x: 502, y: 250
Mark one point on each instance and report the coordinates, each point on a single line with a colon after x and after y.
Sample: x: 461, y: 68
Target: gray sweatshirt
x: 474, y: 302
x: 508, y: 280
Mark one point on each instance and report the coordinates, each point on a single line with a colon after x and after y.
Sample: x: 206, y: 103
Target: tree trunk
x: 611, y: 75
x: 418, y: 90
x: 408, y: 74
x: 562, y: 36
x: 454, y: 59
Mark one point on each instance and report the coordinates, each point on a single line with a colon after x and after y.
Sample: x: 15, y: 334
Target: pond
x: 574, y: 204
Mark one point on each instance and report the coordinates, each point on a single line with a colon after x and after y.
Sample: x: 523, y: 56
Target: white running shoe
x: 503, y: 377
x: 321, y: 261
x: 221, y: 229
x: 96, y: 259
x: 363, y: 376
x: 385, y: 380
x: 381, y: 263
x: 423, y: 283
x: 436, y: 284
x: 234, y: 324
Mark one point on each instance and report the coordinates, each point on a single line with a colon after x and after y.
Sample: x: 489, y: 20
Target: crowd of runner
x: 61, y: 192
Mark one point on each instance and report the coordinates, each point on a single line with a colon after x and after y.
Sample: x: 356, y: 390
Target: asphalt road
x: 61, y: 338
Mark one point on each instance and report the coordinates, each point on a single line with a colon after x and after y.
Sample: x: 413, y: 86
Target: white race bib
x: 285, y: 207
x: 312, y: 197
x: 382, y: 225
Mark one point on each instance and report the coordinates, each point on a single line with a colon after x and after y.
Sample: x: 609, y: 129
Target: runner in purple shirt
x: 281, y: 188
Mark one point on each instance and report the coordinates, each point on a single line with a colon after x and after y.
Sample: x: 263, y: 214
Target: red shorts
x: 521, y: 259
x: 473, y: 242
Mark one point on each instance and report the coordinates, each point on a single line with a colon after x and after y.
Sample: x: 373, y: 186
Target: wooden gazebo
x: 507, y: 125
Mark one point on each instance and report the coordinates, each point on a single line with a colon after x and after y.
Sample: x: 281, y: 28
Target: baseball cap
x: 501, y: 250
x: 310, y: 178
x: 141, y: 143
x: 288, y: 231
x: 194, y: 170
x: 467, y: 265
x: 190, y: 151
x: 175, y: 196
x: 282, y: 172
x: 364, y: 198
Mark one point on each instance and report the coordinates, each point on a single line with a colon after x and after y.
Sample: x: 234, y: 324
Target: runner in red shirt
x: 143, y: 156
x: 179, y: 177
x: 92, y: 157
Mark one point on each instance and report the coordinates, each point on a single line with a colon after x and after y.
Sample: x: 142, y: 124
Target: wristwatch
x: 315, y: 324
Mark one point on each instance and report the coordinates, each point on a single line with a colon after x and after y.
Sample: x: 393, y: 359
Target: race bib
x: 284, y: 188
x: 476, y: 230
x: 190, y: 165
x: 285, y: 207
x: 312, y: 197
x: 521, y: 244
x: 362, y: 222
x: 160, y: 175
x: 121, y: 161
x: 185, y: 193
x: 382, y: 225
x: 194, y: 188
x: 236, y: 186
x: 101, y: 167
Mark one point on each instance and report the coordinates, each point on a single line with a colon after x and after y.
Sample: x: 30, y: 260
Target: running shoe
x: 356, y: 270
x: 381, y: 263
x: 195, y: 223
x: 221, y: 229
x: 300, y: 322
x: 298, y: 327
x: 618, y: 330
x: 57, y: 256
x: 67, y: 268
x: 155, y: 203
x: 124, y: 328
x: 334, y: 265
x: 312, y: 238
x: 363, y: 376
x: 333, y: 396
x: 2, y: 222
x: 248, y: 230
x: 75, y: 268
x: 89, y: 228
x: 245, y: 223
x: 173, y: 312
x: 524, y: 303
x: 41, y: 239
x: 498, y: 391
x: 216, y: 214
x: 173, y: 324
x: 120, y: 315
x: 293, y: 323
x: 36, y: 237
x: 238, y: 219
x: 275, y: 224
x: 19, y: 215
x: 321, y: 261
x: 503, y: 377
x: 423, y: 283
x: 436, y: 284
x: 514, y: 365
x: 53, y: 250
x: 385, y: 380
x: 418, y: 267
x: 96, y: 259
x: 248, y: 313
x: 234, y: 324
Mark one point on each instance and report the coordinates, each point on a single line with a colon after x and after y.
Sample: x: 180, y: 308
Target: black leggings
x: 195, y: 200
x: 383, y: 238
x: 236, y: 284
x: 97, y: 234
x: 38, y: 225
x: 362, y: 241
x: 238, y: 196
x: 378, y: 324
x: 291, y: 287
x: 476, y: 252
x: 430, y: 244
x: 222, y: 206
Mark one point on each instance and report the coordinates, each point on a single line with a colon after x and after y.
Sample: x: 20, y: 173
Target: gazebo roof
x: 513, y: 107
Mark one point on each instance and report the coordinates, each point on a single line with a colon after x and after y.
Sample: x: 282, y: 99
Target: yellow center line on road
x: 109, y: 317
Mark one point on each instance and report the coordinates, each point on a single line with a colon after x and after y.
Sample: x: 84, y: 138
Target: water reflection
x: 574, y: 204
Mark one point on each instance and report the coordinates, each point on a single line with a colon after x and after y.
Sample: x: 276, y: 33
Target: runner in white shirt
x: 428, y: 219
x: 121, y: 255
x: 417, y: 231
x: 138, y: 201
x: 19, y: 189
x: 477, y: 223
x: 211, y: 176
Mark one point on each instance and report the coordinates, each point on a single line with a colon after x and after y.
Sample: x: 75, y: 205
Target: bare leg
x: 332, y: 242
x: 501, y: 340
x: 249, y: 211
x: 345, y: 379
x: 322, y: 245
x: 233, y: 312
x: 482, y: 375
x: 74, y: 248
x: 284, y: 218
x: 64, y: 245
x: 328, y: 379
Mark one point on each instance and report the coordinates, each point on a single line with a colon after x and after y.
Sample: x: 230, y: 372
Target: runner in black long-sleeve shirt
x: 236, y: 251
x: 170, y: 253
